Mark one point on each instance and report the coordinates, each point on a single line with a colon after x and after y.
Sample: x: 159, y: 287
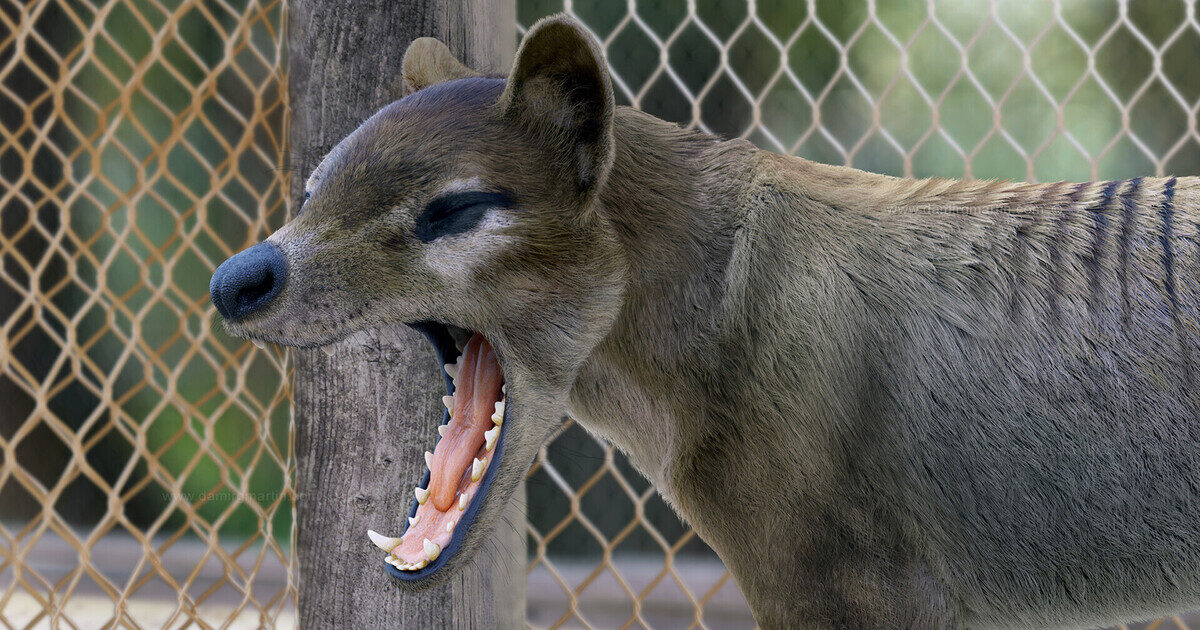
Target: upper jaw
x: 267, y: 328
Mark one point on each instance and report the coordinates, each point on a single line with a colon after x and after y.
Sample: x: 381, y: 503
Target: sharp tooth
x: 450, y: 526
x: 442, y: 428
x: 451, y: 369
x: 448, y: 401
x: 477, y: 468
x: 385, y: 543
x: 413, y: 520
x: 328, y: 350
x: 429, y: 460
x: 489, y: 437
x: 258, y: 344
x: 462, y: 502
x: 431, y: 550
x: 422, y: 495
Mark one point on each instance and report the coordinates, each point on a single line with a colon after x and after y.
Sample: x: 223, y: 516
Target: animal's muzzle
x: 248, y: 281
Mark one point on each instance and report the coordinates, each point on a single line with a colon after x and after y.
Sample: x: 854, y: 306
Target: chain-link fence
x: 145, y: 463
x: 144, y: 460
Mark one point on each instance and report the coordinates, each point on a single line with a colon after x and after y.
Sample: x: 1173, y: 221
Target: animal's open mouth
x: 461, y: 464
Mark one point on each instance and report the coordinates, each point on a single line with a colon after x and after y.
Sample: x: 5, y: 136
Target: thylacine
x: 886, y: 403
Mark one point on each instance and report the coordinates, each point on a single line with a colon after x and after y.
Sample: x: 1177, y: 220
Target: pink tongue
x: 475, y: 396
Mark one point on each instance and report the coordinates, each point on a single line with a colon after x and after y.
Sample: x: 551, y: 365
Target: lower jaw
x: 462, y: 514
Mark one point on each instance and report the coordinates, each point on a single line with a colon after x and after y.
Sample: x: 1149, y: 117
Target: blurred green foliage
x: 165, y: 161
x: 1004, y: 88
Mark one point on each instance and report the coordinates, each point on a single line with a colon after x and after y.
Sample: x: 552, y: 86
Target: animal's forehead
x: 415, y: 138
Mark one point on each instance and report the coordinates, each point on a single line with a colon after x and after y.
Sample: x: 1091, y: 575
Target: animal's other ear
x: 428, y: 61
x: 559, y: 89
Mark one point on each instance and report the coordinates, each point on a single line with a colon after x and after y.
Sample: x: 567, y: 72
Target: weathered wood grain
x: 365, y: 415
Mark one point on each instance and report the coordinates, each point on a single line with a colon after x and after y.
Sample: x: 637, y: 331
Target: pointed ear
x: 559, y: 89
x: 427, y: 61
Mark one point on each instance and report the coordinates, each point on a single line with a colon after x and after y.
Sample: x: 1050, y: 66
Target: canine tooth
x: 422, y: 495
x: 451, y: 369
x: 429, y: 460
x: 477, y: 468
x: 258, y: 344
x: 431, y: 550
x: 413, y: 520
x: 385, y: 543
x: 489, y: 437
x: 448, y: 401
x: 442, y: 428
x: 462, y: 500
x: 328, y: 350
x: 449, y: 526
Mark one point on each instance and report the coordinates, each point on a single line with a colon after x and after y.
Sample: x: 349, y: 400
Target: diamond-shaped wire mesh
x: 145, y: 477
x: 1036, y: 91
x: 146, y: 463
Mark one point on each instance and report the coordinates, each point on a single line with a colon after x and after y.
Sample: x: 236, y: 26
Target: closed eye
x: 455, y: 213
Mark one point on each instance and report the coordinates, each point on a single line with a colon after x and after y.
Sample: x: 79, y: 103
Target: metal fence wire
x: 144, y: 459
x: 145, y: 462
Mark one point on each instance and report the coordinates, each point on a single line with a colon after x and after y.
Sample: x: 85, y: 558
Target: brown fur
x: 885, y: 402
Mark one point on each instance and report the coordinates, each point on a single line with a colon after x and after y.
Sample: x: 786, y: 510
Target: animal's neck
x: 660, y: 199
x: 672, y: 197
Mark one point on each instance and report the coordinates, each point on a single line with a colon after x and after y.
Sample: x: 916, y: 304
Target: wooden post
x: 364, y: 416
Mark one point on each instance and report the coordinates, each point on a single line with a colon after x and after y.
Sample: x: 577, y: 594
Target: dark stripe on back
x: 1056, y: 266
x: 1166, y: 212
x: 1128, y: 205
x: 1099, y: 229
x: 1025, y: 261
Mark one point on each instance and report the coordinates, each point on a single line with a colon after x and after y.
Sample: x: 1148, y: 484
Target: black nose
x: 248, y: 281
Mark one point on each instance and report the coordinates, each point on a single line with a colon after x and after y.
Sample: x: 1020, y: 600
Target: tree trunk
x: 364, y: 417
